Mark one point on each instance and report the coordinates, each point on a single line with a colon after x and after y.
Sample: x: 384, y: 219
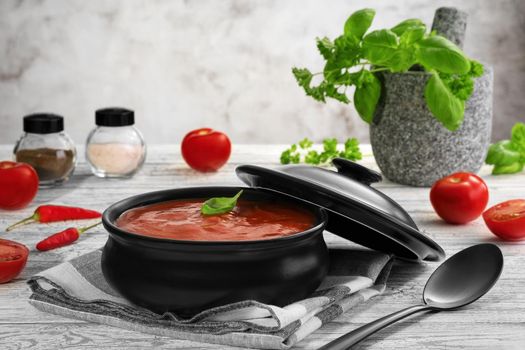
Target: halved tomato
x: 13, y: 258
x: 507, y: 220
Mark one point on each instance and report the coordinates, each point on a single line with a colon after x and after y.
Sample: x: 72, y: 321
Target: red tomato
x: 13, y: 258
x: 18, y: 185
x: 459, y: 198
x: 206, y: 149
x: 507, y: 220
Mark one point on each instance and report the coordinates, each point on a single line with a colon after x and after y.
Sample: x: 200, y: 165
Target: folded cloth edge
x: 239, y: 333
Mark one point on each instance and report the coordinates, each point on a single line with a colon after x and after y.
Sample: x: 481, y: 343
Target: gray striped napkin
x: 78, y: 289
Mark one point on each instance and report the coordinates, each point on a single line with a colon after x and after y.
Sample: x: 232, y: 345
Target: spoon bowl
x: 464, y: 278
x: 459, y: 281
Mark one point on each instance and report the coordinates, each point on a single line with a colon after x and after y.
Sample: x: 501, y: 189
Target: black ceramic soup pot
x: 186, y: 277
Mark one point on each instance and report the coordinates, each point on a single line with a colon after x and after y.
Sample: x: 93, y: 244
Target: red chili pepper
x: 52, y: 213
x: 62, y: 238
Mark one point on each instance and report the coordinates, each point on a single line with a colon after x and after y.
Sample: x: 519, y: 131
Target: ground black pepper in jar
x: 45, y: 146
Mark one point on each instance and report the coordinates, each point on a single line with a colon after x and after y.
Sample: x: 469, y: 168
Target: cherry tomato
x: 459, y: 198
x: 18, y: 185
x: 507, y: 220
x: 13, y: 258
x: 206, y: 149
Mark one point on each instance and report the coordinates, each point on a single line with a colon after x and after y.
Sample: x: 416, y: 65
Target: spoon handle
x: 346, y: 341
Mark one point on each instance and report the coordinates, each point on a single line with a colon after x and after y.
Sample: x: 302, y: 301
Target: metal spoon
x: 461, y: 280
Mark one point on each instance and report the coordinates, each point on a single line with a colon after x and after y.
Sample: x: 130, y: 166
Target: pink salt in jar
x: 115, y: 148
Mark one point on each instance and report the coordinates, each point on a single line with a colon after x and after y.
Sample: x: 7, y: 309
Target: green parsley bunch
x: 303, y: 152
x: 354, y: 58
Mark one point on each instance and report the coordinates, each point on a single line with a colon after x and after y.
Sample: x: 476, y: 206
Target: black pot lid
x: 356, y: 211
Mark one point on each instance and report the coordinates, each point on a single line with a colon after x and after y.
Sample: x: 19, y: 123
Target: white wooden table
x: 497, y: 321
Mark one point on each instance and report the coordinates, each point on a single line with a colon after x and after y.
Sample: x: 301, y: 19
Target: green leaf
x: 312, y: 157
x: 508, y: 156
x: 446, y: 107
x: 518, y: 138
x: 348, y: 78
x: 330, y: 145
x: 502, y: 153
x: 285, y: 157
x: 358, y: 23
x: 303, y: 76
x: 366, y: 96
x: 305, y: 143
x: 351, y: 151
x: 291, y: 155
x: 405, y: 55
x: 318, y: 92
x: 379, y: 46
x: 304, y: 79
x: 402, y: 60
x: 332, y: 70
x: 329, y: 150
x: 462, y: 85
x: 325, y: 47
x: 331, y: 91
x: 400, y: 28
x: 436, y: 52
x: 220, y: 205
x: 507, y: 169
x: 476, y: 69
x: 347, y: 52
x: 412, y: 35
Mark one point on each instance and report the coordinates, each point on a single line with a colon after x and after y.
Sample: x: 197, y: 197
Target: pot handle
x: 356, y: 171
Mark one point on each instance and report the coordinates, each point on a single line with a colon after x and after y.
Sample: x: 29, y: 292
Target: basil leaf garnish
x: 220, y: 205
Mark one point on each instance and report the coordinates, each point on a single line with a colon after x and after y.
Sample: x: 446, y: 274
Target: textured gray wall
x: 224, y: 64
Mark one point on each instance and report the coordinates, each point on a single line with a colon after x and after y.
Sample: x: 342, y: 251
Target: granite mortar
x: 412, y: 147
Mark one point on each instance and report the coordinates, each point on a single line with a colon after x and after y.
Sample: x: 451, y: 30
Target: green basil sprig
x: 354, y: 58
x: 220, y: 205
x: 508, y: 156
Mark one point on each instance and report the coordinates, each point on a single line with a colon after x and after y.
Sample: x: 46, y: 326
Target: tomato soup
x: 249, y: 220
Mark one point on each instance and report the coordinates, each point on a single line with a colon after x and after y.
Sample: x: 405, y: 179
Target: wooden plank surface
x: 497, y: 321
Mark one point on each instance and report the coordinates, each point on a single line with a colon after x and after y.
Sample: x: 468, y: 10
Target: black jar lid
x: 114, y: 116
x: 356, y: 211
x: 43, y: 123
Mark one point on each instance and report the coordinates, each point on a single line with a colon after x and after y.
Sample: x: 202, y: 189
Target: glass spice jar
x: 115, y: 148
x: 45, y: 146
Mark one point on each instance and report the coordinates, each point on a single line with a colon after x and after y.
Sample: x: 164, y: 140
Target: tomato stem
x: 32, y: 218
